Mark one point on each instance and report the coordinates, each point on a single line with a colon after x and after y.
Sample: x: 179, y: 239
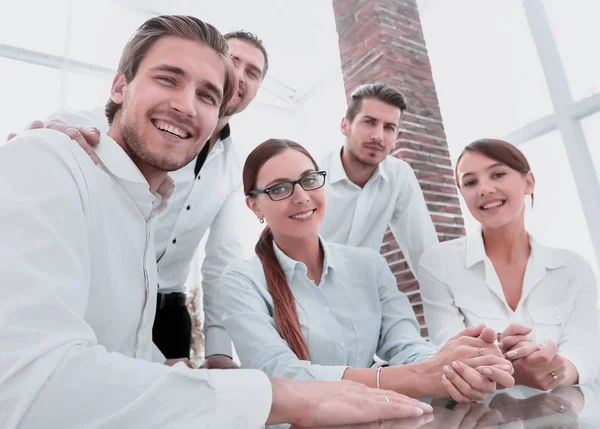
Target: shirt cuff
x: 217, y: 342
x: 587, y: 370
x: 244, y: 398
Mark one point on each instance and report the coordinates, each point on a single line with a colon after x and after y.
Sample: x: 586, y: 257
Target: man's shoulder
x: 396, y: 166
x: 43, y: 141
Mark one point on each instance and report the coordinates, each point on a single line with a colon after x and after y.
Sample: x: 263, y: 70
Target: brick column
x: 382, y: 41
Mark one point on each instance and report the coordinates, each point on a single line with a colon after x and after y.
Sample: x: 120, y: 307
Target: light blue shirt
x: 355, y: 312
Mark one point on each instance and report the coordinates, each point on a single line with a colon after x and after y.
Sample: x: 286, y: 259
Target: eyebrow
x: 497, y: 164
x: 375, y: 119
x: 178, y: 71
x: 252, y: 66
x: 283, y: 179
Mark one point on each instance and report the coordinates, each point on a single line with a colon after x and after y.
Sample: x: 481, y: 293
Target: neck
x: 358, y: 172
x: 305, y: 250
x: 153, y: 175
x: 508, y: 243
x: 217, y: 133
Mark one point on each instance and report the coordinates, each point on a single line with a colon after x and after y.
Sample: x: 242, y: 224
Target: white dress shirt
x: 355, y: 312
x: 212, y: 199
x: 79, y: 295
x: 392, y: 197
x: 460, y: 288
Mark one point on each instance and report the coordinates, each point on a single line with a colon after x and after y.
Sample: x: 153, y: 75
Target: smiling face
x: 371, y: 135
x: 171, y: 107
x: 249, y: 63
x: 493, y: 192
x: 298, y: 216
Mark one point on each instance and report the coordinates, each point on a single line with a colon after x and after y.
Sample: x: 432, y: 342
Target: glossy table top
x: 518, y: 407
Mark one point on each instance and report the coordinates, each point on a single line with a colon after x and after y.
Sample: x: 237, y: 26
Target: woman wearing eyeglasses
x: 311, y: 310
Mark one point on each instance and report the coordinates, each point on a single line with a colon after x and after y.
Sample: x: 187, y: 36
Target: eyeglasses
x: 282, y: 190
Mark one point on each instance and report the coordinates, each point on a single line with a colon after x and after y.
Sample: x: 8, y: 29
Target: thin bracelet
x: 377, y: 379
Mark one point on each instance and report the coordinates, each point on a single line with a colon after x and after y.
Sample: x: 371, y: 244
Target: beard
x: 139, y: 148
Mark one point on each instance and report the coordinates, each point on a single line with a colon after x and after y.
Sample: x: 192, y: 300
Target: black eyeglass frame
x: 267, y: 191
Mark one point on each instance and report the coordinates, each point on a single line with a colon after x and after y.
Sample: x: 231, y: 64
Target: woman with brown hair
x: 307, y: 309
x: 541, y: 300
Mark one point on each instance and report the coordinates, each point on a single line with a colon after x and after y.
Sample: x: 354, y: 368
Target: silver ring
x: 480, y: 350
x: 386, y: 398
x: 554, y: 376
x: 562, y: 408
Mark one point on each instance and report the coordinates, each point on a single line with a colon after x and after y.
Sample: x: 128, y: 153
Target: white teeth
x: 303, y: 215
x: 492, y: 205
x: 170, y: 128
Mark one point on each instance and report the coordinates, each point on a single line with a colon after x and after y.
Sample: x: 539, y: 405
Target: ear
x: 253, y: 205
x: 118, y: 89
x: 344, y: 126
x: 530, y: 180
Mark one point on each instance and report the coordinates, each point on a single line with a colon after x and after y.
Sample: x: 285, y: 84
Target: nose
x: 486, y: 188
x: 300, y: 196
x: 184, y: 101
x: 377, y: 133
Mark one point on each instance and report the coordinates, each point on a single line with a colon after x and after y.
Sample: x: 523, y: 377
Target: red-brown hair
x: 498, y: 150
x: 284, y: 305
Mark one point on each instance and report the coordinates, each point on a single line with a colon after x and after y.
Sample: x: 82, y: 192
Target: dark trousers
x: 172, y: 330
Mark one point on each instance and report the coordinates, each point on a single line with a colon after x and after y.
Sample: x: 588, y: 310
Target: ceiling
x: 300, y: 38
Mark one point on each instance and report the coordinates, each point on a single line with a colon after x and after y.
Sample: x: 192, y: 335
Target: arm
x: 579, y: 341
x: 442, y: 316
x: 257, y: 341
x: 223, y: 248
x: 400, y: 340
x: 53, y: 372
x: 411, y: 223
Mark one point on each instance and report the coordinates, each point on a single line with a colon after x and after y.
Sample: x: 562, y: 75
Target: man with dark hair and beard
x: 208, y: 197
x: 367, y: 189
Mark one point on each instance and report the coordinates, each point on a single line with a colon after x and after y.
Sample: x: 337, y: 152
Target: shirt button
x: 188, y: 207
x: 198, y: 177
x: 341, y: 344
x: 559, y: 318
x: 174, y: 240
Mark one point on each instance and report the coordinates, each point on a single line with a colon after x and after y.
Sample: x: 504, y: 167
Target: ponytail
x: 284, y: 305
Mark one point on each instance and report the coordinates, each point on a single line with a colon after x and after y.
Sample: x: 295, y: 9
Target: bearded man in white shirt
x: 208, y: 197
x: 367, y: 190
x: 78, y: 268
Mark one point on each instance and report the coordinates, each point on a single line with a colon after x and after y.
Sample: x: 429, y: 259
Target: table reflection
x: 519, y: 407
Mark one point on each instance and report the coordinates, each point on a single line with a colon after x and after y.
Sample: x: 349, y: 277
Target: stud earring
x: 261, y: 219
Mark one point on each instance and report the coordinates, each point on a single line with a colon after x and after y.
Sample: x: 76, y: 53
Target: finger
x: 487, y: 360
x: 34, y: 125
x: 76, y: 135
x: 515, y: 329
x: 461, y: 384
x: 390, y: 395
x: 497, y: 375
x: 475, y: 379
x: 453, y: 391
x: 11, y: 136
x: 91, y: 135
x: 508, y: 343
x: 525, y: 352
x: 471, y: 331
x: 488, y: 335
x: 393, y: 410
x: 477, y: 343
x: 542, y: 356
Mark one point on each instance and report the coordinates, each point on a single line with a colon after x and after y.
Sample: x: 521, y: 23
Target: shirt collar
x: 289, y: 265
x: 475, y: 252
x: 337, y: 172
x: 118, y: 164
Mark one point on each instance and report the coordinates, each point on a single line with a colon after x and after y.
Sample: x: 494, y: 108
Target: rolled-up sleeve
x: 580, y: 339
x: 53, y: 372
x: 252, y: 328
x: 400, y: 340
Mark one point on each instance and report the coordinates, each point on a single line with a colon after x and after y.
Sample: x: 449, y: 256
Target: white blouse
x: 460, y: 288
